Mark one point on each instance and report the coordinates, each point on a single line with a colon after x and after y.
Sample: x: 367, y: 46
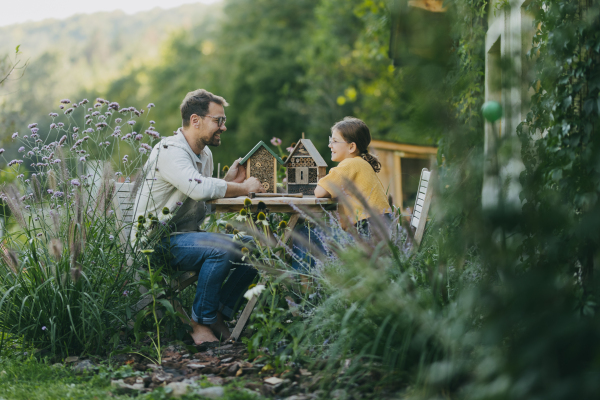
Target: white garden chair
x: 421, y: 209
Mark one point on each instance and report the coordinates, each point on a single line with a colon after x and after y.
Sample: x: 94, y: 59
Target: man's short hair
x: 197, y: 102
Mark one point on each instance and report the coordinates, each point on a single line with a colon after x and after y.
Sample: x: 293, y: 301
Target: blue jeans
x: 303, y: 260
x: 212, y: 255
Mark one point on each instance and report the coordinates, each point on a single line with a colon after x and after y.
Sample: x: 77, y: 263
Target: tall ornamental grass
x: 65, y: 283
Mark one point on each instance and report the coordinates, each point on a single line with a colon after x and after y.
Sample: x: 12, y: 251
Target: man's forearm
x: 236, y: 189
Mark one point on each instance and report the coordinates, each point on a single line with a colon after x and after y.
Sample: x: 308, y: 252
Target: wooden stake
x: 218, y: 171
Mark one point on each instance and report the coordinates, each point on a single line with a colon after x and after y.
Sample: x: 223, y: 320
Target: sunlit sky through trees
x: 15, y: 12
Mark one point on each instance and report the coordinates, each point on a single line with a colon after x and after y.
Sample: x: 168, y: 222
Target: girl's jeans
x: 212, y: 255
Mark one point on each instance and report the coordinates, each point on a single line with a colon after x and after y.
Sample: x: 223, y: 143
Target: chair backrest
x: 421, y: 209
x: 123, y: 206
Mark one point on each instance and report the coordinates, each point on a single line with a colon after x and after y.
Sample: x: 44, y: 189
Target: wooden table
x: 274, y: 204
x: 286, y: 205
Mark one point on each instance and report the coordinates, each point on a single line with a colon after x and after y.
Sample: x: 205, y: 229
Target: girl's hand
x: 320, y: 192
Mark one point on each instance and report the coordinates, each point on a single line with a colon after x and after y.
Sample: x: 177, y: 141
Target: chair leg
x: 239, y: 326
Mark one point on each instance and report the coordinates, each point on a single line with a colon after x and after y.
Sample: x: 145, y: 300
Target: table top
x: 269, y: 201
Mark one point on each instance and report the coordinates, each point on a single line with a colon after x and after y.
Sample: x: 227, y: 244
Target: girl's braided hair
x: 354, y: 130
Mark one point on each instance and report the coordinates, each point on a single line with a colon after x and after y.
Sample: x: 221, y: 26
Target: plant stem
x: 157, y: 343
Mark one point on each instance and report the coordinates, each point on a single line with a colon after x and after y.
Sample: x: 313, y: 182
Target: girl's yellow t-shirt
x: 352, y: 176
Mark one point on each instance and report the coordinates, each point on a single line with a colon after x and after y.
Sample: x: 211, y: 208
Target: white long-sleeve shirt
x: 174, y: 174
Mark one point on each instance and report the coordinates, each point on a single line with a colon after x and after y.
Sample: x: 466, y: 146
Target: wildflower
x: 50, y: 191
x: 179, y: 203
x: 114, y: 105
x: 62, y: 139
x: 44, y: 328
x: 82, y: 159
x: 138, y: 137
x: 142, y: 150
x: 166, y: 211
x: 39, y: 235
x: 245, y: 253
x: 283, y: 225
x: 197, y: 180
x: 247, y: 202
x: 131, y: 123
x: 289, y: 149
x: 262, y: 218
x: 276, y: 141
x: 57, y: 161
x: 235, y: 232
x: 1, y: 151
x: 69, y: 110
x: 242, y: 215
x: 61, y: 107
x: 52, y: 126
x: 226, y: 169
x: 65, y: 101
x: 32, y: 125
x: 126, y: 293
x: 255, y: 291
x: 152, y: 123
x: 85, y: 101
x: 118, y: 120
x: 75, y: 129
x: 118, y: 173
x: 14, y: 135
x: 21, y: 149
x: 34, y: 130
x: 150, y: 105
x: 60, y: 125
x: 53, y: 115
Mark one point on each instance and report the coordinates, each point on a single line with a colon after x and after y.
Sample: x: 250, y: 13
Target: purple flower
x: 75, y: 182
x: 138, y: 137
x: 126, y: 293
x: 52, y: 126
x: 14, y: 135
x: 69, y: 110
x: 32, y: 125
x: 88, y: 130
x: 57, y: 161
x: 179, y: 203
x: 150, y: 105
x: 61, y: 107
x: 75, y: 129
x: 142, y: 150
x: 85, y: 101
x: 114, y: 105
x: 1, y: 151
x: 44, y: 328
x: 118, y: 173
x: 111, y: 237
x: 50, y: 191
x: 60, y: 124
x: 65, y: 101
x: 131, y: 123
x: 95, y: 113
x: 53, y: 115
x: 82, y: 158
x: 197, y: 180
x: 59, y: 194
x: 152, y: 122
x: 276, y: 141
x: 118, y: 120
x: 39, y: 235
x: 21, y: 149
x: 30, y: 153
x: 146, y: 146
x: 190, y: 179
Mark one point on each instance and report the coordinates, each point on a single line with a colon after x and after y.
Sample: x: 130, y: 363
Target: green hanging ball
x: 492, y: 111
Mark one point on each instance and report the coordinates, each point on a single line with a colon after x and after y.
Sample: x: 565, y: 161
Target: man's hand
x: 236, y: 173
x: 254, y: 185
x: 251, y: 184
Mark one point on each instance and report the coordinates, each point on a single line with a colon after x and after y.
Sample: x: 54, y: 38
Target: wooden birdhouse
x: 305, y: 167
x: 261, y: 162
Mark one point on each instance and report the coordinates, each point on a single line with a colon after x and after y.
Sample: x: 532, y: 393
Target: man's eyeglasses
x: 333, y: 141
x: 220, y: 120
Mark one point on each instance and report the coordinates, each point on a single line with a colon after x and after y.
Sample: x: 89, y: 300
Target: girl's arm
x: 320, y: 192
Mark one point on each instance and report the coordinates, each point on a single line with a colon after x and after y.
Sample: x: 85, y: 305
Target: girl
x: 355, y: 175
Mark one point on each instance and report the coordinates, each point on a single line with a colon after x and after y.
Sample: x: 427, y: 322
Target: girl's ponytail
x: 372, y: 160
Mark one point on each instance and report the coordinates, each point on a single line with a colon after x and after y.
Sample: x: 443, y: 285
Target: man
x: 178, y: 176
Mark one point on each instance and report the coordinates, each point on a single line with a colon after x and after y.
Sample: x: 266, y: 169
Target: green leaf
x: 17, y: 49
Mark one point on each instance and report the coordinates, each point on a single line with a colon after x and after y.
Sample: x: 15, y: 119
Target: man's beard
x: 213, y: 141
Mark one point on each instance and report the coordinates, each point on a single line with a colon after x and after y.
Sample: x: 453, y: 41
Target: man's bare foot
x: 202, y: 333
x: 220, y: 328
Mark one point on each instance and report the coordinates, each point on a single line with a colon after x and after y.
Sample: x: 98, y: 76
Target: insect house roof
x: 255, y: 149
x: 312, y: 151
